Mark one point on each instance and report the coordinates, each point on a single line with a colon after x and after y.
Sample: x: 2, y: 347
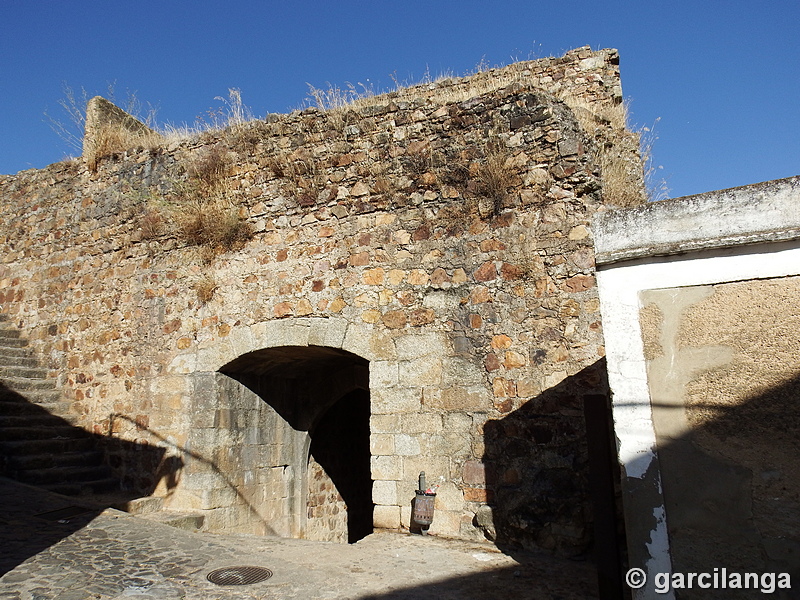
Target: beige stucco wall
x: 724, y: 376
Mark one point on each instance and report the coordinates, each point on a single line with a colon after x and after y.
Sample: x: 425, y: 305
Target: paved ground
x: 104, y: 555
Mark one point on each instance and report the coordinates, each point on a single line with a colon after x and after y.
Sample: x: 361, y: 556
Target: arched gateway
x: 317, y: 410
x: 417, y: 274
x: 280, y: 435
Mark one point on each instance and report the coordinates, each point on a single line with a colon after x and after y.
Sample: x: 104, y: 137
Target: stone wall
x: 439, y: 235
x: 327, y: 511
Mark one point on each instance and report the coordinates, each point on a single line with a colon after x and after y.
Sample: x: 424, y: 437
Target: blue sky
x: 722, y: 79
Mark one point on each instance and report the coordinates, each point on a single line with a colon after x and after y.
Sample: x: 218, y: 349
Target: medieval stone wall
x: 443, y: 239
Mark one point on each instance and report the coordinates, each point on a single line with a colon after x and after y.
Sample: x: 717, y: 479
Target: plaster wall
x: 723, y: 376
x: 645, y: 301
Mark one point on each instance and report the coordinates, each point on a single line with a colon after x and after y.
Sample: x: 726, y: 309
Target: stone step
x: 55, y: 432
x: 12, y: 342
x: 24, y: 408
x: 60, y: 410
x: 23, y: 384
x: 188, y: 521
x: 23, y: 372
x: 83, y: 488
x: 20, y: 359
x: 62, y: 475
x: 38, y: 443
x: 44, y: 396
x: 86, y: 458
x: 40, y: 420
x: 16, y: 351
x: 137, y: 506
x: 18, y: 448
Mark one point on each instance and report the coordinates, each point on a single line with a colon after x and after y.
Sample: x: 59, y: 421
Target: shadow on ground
x: 545, y: 579
x: 25, y: 535
x: 64, y: 476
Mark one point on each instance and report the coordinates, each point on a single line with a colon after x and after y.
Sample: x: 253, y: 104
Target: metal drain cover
x: 239, y: 575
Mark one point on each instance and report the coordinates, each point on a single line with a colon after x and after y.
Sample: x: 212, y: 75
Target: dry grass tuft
x: 302, y: 178
x: 617, y: 150
x: 152, y: 224
x: 590, y: 116
x: 419, y: 160
x: 340, y: 104
x: 205, y: 287
x: 203, y: 208
x: 622, y: 177
x: 215, y: 227
x: 232, y: 118
x: 454, y: 173
x: 210, y: 167
x: 70, y: 126
x: 114, y: 139
x: 493, y: 177
x: 655, y: 184
x: 334, y: 97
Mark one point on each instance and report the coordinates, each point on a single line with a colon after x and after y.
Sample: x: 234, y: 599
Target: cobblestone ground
x: 107, y: 554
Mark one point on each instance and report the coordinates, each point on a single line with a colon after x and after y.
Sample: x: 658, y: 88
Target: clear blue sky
x: 723, y: 78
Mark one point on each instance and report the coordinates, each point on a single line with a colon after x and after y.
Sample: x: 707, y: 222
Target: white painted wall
x: 620, y: 286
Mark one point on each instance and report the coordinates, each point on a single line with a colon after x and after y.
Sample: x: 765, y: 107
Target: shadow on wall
x: 732, y: 485
x: 75, y: 472
x: 340, y: 444
x: 552, y: 479
x: 732, y: 490
x: 170, y: 468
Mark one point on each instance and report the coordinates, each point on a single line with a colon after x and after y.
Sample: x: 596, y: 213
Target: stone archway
x: 247, y: 465
x: 319, y: 435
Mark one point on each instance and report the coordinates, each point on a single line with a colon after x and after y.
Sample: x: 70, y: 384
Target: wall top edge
x: 756, y: 213
x: 536, y: 74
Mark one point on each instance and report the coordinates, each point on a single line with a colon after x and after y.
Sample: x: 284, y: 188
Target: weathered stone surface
x: 486, y: 272
x: 386, y: 517
x: 474, y: 472
x: 461, y: 399
x: 719, y: 219
x: 395, y: 319
x: 368, y: 240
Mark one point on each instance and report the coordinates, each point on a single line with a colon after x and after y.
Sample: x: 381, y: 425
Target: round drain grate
x: 239, y: 575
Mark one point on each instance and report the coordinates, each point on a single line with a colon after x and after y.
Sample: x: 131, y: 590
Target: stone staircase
x: 38, y: 443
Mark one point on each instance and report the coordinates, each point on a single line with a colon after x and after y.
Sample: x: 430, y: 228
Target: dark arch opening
x: 340, y: 445
x: 322, y: 394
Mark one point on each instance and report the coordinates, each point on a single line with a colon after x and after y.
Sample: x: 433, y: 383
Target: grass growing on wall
x: 201, y: 210
x: 616, y: 150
